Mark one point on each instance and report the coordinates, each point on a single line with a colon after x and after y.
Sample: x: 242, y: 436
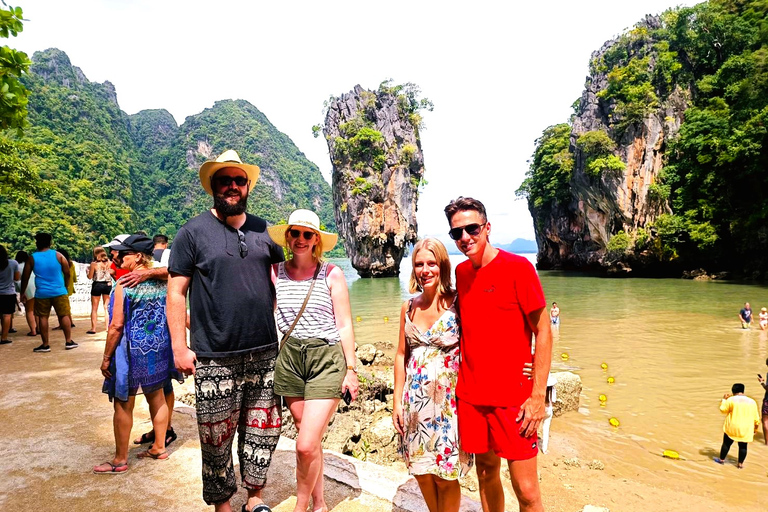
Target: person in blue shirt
x: 51, y: 278
x: 745, y: 315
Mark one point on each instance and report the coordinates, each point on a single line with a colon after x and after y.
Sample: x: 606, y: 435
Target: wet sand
x: 56, y: 425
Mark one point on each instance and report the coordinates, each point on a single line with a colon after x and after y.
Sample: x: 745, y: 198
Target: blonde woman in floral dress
x: 426, y: 368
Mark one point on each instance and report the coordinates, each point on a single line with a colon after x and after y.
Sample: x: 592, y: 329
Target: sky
x: 498, y: 73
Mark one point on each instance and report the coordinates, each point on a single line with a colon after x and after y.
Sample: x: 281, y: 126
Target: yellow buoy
x: 604, y: 366
x: 602, y: 398
x: 358, y: 318
x: 614, y: 422
x: 564, y: 356
x: 670, y: 454
x: 611, y: 380
x: 386, y: 319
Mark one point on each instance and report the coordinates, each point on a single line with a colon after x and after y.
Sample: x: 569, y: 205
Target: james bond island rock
x: 662, y: 166
x: 378, y: 167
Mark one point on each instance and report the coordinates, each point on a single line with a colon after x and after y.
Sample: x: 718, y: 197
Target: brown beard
x: 226, y: 209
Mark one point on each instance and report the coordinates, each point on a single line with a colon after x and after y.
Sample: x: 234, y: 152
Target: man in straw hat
x: 224, y: 258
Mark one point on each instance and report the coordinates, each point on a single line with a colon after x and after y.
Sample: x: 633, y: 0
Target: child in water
x: 740, y: 424
x: 764, y: 319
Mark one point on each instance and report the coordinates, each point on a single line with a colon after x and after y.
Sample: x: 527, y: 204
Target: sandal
x: 149, y: 437
x: 12, y: 331
x: 114, y: 469
x: 30, y: 333
x: 90, y: 332
x: 146, y: 454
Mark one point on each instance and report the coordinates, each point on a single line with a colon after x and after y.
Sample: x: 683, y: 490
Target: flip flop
x: 261, y: 507
x: 30, y: 333
x: 146, y: 454
x: 115, y: 469
x: 90, y: 332
x: 12, y: 330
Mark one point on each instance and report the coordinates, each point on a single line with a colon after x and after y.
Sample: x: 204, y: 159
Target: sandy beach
x: 57, y: 425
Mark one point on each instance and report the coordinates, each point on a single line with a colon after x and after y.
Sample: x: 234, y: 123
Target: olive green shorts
x: 60, y: 304
x: 310, y: 368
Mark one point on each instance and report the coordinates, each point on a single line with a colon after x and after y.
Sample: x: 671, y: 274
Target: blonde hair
x: 144, y: 260
x: 99, y: 254
x: 438, y: 250
x: 317, y: 250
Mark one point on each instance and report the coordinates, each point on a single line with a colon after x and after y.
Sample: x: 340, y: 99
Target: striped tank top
x: 317, y: 320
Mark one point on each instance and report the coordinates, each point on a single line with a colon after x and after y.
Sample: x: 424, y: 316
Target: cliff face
x: 378, y: 165
x: 575, y: 233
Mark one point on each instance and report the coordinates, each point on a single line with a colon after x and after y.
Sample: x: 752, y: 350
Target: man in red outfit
x: 501, y: 306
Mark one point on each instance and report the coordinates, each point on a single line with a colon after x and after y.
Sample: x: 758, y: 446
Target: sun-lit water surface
x: 673, y: 346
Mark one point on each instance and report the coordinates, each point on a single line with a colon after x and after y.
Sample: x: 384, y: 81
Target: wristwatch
x: 352, y: 368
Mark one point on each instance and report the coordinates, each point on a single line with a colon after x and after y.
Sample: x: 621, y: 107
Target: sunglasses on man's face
x: 295, y: 233
x: 226, y: 181
x: 471, y: 229
x: 123, y: 254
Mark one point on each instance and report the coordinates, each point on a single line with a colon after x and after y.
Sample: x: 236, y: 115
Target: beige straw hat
x: 305, y: 219
x: 229, y: 158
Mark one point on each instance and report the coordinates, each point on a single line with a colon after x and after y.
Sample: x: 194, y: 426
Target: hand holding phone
x: 347, y: 397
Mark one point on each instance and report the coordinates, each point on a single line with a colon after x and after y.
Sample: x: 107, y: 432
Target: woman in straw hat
x: 316, y: 364
x: 763, y: 318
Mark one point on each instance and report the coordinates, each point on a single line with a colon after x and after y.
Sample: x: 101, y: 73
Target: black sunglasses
x: 471, y: 229
x: 241, y: 243
x: 123, y: 254
x: 295, y: 233
x: 226, y: 181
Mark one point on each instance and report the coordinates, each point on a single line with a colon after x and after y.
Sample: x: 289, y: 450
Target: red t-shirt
x: 495, y: 336
x: 119, y: 272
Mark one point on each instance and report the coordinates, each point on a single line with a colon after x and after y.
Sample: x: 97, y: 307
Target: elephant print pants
x: 236, y: 394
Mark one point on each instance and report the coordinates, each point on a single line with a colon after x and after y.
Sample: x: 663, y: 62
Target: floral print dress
x: 431, y: 442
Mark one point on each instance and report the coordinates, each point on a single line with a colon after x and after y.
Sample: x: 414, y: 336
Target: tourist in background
x: 137, y: 355
x: 51, y: 275
x: 29, y: 303
x: 740, y: 425
x: 763, y: 319
x: 764, y: 410
x: 502, y: 308
x: 745, y: 315
x: 101, y: 285
x: 554, y: 315
x: 9, y: 272
x: 161, y: 253
x: 316, y: 363
x: 426, y: 373
x: 224, y: 258
x: 71, y: 282
x: 115, y: 270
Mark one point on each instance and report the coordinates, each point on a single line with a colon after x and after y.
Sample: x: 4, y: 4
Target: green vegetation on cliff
x: 716, y: 168
x: 102, y: 172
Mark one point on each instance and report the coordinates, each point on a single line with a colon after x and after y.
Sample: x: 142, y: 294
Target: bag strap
x: 306, y: 300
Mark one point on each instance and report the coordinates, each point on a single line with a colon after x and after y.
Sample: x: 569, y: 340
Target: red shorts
x: 483, y: 428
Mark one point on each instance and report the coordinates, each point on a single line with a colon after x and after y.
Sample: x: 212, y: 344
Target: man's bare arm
x: 533, y: 409
x: 176, y: 308
x: 135, y: 277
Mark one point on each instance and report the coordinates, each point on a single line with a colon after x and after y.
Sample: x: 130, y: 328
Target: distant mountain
x: 109, y: 173
x: 518, y: 246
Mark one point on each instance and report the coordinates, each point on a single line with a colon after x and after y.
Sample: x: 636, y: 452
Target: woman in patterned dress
x: 137, y: 356
x: 426, y: 372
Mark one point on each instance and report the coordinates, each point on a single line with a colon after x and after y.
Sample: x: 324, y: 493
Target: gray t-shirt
x: 7, y: 286
x: 231, y: 296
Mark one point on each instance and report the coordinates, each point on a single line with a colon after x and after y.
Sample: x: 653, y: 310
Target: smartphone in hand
x: 347, y: 397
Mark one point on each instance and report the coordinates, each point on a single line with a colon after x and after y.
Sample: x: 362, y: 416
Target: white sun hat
x: 305, y: 219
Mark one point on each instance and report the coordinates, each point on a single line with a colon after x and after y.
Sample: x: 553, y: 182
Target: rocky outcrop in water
x: 617, y: 155
x: 378, y: 166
